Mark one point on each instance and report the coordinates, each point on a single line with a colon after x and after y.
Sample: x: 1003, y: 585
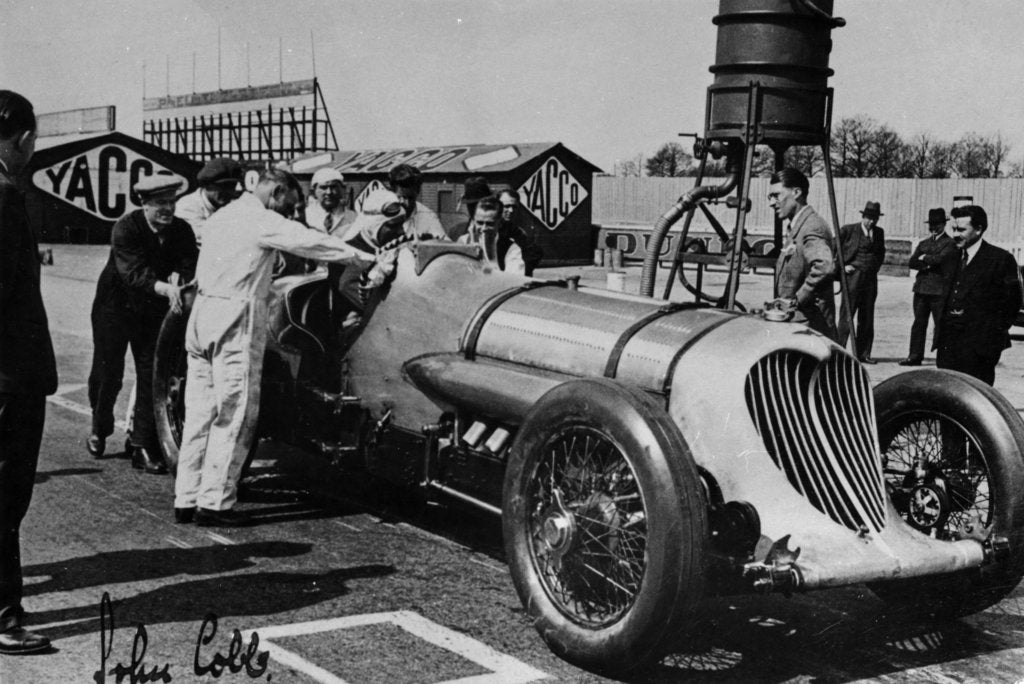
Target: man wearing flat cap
x: 934, y: 259
x: 329, y: 212
x: 220, y: 181
x: 133, y: 294
x: 863, y: 246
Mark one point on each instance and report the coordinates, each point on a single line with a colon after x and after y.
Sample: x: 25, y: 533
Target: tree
x: 670, y: 161
x: 979, y: 156
x: 629, y: 169
x: 926, y: 157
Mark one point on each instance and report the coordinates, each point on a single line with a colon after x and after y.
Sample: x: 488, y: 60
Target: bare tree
x: 629, y: 169
x: 979, y: 156
x: 924, y: 156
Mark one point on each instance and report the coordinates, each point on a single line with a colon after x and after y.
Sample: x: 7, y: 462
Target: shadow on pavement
x: 261, y: 593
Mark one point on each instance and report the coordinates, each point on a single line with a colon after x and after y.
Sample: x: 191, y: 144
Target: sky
x: 611, y: 79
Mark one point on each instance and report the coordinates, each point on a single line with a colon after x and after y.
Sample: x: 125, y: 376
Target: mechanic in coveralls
x: 226, y: 335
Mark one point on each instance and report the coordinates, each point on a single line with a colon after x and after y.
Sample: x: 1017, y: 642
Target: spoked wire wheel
x: 938, y: 475
x: 170, y: 366
x: 605, y: 525
x: 588, y: 527
x: 953, y: 459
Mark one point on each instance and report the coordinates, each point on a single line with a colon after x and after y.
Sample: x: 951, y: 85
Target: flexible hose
x: 685, y: 203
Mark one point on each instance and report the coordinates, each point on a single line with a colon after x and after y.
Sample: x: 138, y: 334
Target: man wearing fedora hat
x: 934, y: 259
x: 133, y: 293
x: 406, y: 181
x: 863, y: 246
x: 474, y: 189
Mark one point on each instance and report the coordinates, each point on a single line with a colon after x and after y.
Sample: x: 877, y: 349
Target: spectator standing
x: 220, y: 181
x: 329, y: 213
x: 135, y: 289
x: 28, y: 370
x: 474, y: 189
x: 225, y: 339
x: 982, y: 302
x: 523, y: 236
x: 406, y: 181
x: 863, y: 246
x: 934, y: 259
x: 803, y: 272
x: 485, y: 231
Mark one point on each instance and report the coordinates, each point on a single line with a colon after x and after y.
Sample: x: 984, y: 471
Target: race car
x: 642, y: 454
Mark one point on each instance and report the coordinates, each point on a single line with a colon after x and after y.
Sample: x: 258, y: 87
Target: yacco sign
x: 370, y: 187
x: 552, y: 193
x: 378, y: 161
x: 98, y: 181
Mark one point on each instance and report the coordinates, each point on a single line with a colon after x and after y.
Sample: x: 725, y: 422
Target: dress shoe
x: 20, y: 640
x: 142, y: 459
x: 229, y: 517
x: 95, y: 445
x: 183, y: 516
x: 868, y: 360
x: 910, y: 361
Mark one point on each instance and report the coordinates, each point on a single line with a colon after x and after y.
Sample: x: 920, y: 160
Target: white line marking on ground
x: 346, y: 525
x: 180, y: 543
x: 504, y: 669
x: 58, y: 400
x: 63, y: 623
x: 220, y: 539
x: 496, y: 568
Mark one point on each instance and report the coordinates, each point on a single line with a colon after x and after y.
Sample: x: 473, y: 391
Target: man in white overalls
x: 225, y: 340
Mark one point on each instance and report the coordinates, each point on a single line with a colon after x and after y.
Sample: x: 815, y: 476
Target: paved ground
x: 347, y: 581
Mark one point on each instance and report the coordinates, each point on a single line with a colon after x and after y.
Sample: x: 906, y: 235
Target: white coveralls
x: 196, y: 209
x: 225, y: 339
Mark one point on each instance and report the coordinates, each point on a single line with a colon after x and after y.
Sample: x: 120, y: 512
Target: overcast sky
x: 610, y: 79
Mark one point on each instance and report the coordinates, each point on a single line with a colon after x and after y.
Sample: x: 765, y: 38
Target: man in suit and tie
x: 934, y: 259
x: 28, y: 371
x: 803, y: 272
x: 863, y: 246
x: 982, y: 302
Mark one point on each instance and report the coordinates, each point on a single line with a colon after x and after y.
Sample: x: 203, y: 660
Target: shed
x: 554, y: 184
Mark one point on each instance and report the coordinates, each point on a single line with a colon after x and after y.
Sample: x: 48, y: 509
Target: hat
x: 872, y: 210
x: 937, y: 216
x: 475, y: 189
x: 379, y: 207
x: 327, y: 175
x: 221, y: 170
x: 157, y: 186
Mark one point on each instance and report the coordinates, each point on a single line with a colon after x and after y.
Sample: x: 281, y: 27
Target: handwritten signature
x: 252, y: 660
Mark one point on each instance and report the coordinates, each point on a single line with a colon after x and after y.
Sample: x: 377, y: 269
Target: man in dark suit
x: 133, y: 294
x: 863, y: 246
x: 934, y: 258
x: 982, y: 302
x: 803, y: 272
x: 28, y: 371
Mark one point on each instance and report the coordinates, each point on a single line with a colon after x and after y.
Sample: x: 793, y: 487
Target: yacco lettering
x: 112, y: 159
x: 444, y: 158
x: 386, y: 162
x: 363, y: 160
x: 422, y: 157
x: 56, y: 176
x: 552, y: 193
x: 80, y: 184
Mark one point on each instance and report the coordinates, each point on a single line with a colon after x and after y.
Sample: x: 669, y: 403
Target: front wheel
x: 605, y: 525
x: 169, y: 370
x: 953, y: 458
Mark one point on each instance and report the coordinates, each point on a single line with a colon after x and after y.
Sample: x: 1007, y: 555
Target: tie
x: 963, y: 259
x: 328, y: 222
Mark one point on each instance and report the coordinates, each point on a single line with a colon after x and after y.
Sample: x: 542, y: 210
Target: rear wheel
x: 953, y: 451
x: 605, y: 525
x: 169, y: 370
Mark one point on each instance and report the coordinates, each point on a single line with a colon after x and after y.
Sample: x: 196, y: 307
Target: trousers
x: 225, y: 340
x: 863, y: 291
x: 924, y: 306
x: 113, y: 332
x: 21, y: 431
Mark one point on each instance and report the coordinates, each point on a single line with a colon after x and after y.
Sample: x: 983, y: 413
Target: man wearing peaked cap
x: 934, y: 259
x: 220, y: 181
x: 135, y: 289
x: 863, y: 245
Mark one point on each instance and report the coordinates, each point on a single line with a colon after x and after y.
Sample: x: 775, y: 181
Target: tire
x: 601, y: 483
x: 169, y: 369
x: 970, y: 443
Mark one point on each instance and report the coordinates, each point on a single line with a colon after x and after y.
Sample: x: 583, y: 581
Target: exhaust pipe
x: 689, y: 200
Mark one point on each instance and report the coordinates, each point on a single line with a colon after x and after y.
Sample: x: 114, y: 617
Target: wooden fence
x: 905, y: 203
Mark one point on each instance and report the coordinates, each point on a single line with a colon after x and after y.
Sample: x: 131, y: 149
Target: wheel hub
x: 558, y: 528
x: 928, y: 507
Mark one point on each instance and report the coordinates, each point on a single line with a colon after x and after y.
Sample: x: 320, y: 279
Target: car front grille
x: 817, y: 421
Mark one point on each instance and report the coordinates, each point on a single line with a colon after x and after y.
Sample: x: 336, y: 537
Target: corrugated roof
x: 459, y: 159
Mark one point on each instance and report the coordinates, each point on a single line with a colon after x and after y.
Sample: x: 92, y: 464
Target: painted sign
x: 370, y: 187
x: 379, y: 161
x: 552, y: 193
x: 98, y: 180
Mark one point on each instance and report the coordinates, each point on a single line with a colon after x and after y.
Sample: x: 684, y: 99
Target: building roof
x: 440, y: 159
